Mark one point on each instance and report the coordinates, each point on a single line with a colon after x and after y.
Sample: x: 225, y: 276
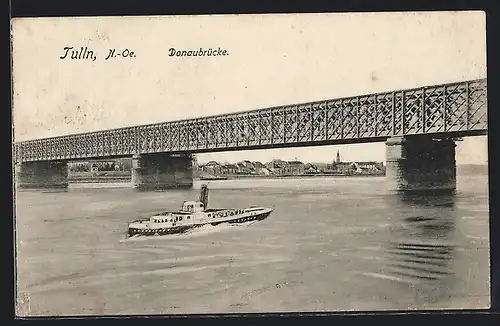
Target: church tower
x: 338, y: 157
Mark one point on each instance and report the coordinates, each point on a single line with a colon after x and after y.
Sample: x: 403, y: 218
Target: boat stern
x: 135, y: 227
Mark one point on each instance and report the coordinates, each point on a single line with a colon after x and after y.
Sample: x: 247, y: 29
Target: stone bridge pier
x: 41, y: 174
x: 420, y: 163
x: 160, y: 171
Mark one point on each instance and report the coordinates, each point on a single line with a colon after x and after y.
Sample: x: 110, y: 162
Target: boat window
x: 209, y: 215
x: 180, y: 218
x: 189, y: 217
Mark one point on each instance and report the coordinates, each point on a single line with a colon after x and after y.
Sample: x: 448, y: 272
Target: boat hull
x: 184, y: 228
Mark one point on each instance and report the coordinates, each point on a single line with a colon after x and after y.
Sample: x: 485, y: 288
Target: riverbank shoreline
x: 277, y: 177
x: 125, y: 179
x: 99, y: 178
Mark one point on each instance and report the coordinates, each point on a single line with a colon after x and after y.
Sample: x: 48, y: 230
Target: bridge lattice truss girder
x: 459, y: 108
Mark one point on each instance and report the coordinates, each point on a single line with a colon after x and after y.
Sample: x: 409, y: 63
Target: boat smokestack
x: 204, y: 195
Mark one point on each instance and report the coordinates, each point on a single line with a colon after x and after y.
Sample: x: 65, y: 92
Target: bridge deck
x: 456, y: 109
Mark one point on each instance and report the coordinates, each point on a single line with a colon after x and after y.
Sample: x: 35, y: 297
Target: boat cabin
x: 192, y: 207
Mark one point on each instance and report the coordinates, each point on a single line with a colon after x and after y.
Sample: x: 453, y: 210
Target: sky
x: 273, y: 60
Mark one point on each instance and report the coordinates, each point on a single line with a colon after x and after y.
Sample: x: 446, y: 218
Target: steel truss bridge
x: 455, y: 109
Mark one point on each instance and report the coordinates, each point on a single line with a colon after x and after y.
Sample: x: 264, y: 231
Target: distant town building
x: 311, y: 168
x: 248, y: 164
x: 276, y: 167
x: 105, y: 166
x: 369, y: 167
x: 280, y: 167
x: 229, y: 169
x: 261, y: 169
x: 212, y: 168
x: 243, y: 168
x: 94, y: 167
x: 342, y: 167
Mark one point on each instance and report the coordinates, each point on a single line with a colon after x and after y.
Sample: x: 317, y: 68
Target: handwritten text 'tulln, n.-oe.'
x: 84, y: 53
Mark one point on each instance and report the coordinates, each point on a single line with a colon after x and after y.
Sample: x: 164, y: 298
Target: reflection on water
x: 422, y: 248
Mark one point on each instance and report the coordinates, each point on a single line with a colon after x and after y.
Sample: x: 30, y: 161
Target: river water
x: 331, y: 244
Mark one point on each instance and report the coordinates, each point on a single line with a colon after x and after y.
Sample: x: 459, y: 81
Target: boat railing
x: 253, y: 209
x: 140, y: 220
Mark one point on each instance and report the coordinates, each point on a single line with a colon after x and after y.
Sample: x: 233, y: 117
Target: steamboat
x: 194, y: 214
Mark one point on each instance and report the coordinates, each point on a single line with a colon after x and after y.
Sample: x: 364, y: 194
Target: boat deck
x: 210, y: 210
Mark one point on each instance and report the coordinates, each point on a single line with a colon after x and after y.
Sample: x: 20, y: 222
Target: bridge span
x: 418, y: 125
